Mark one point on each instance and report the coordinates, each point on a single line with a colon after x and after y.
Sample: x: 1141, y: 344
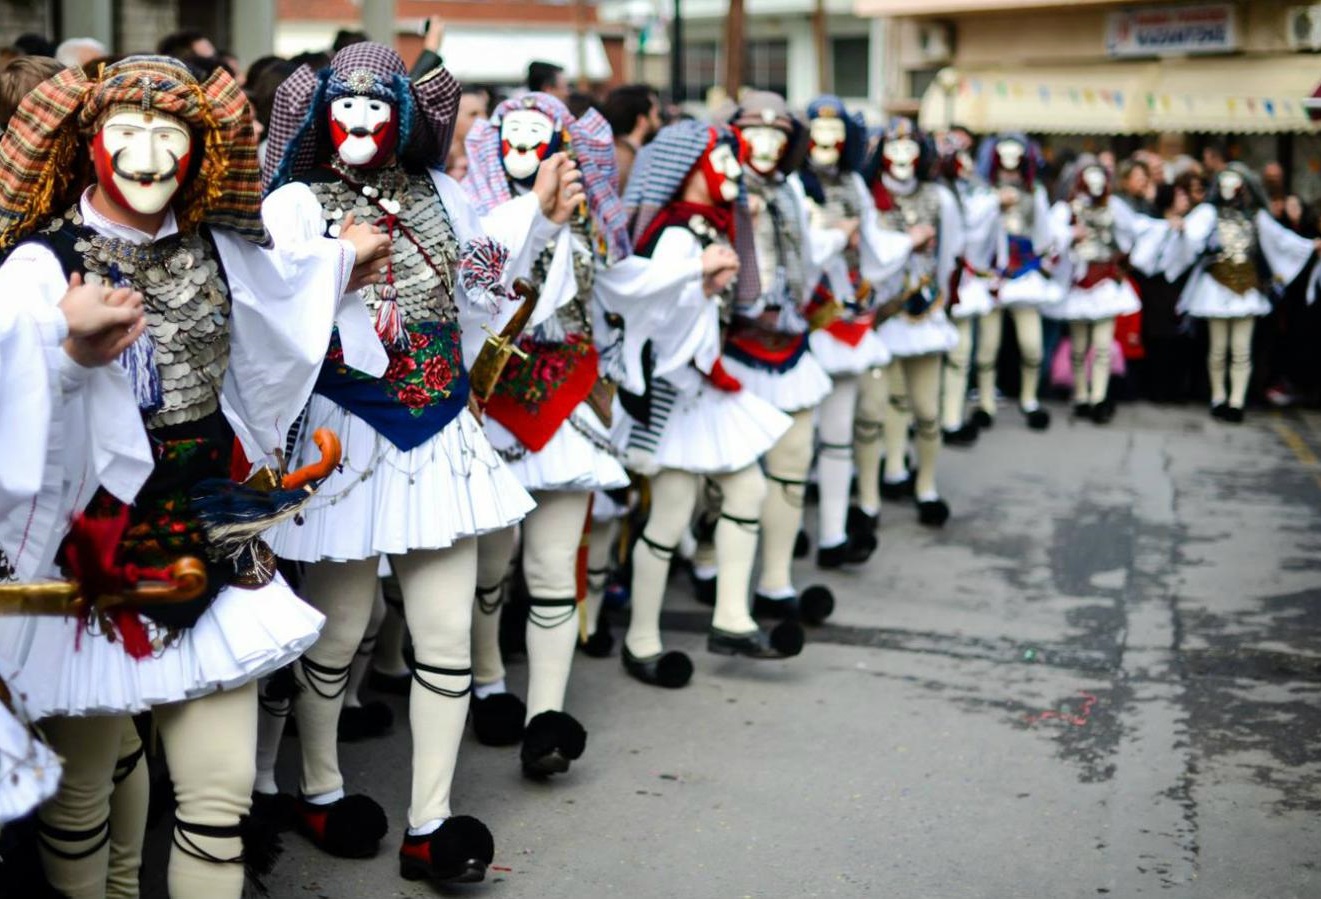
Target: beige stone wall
x: 21, y: 17
x: 141, y: 23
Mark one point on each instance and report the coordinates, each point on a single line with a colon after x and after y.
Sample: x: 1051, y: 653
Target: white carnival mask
x: 142, y: 158
x: 1230, y: 183
x: 1010, y: 153
x: 1095, y: 179
x: 902, y: 155
x: 828, y: 134
x: 724, y: 163
x: 525, y: 139
x: 361, y: 129
x: 766, y: 146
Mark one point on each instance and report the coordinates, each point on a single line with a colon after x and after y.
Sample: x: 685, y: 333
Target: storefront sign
x: 1166, y: 30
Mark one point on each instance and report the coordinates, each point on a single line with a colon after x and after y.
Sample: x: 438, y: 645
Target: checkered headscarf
x: 298, y: 138
x: 46, y: 165
x: 588, y: 140
x: 658, y: 176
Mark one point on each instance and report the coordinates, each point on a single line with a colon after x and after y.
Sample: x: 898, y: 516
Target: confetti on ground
x: 1066, y: 715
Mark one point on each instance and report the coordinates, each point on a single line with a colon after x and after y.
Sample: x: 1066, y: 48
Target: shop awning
x: 1218, y: 95
x: 1097, y: 99
x: 1233, y: 95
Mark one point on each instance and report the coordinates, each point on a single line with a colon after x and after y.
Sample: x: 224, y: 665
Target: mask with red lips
x: 364, y: 130
x: 722, y: 168
x: 527, y: 136
x: 141, y: 159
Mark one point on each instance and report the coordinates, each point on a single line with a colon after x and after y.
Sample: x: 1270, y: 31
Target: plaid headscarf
x: 588, y: 140
x: 298, y: 138
x: 46, y: 165
x: 658, y: 176
x: 761, y: 109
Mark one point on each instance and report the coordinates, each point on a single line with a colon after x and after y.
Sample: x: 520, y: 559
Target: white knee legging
x: 914, y: 386
x: 1099, y: 336
x: 834, y: 463
x: 869, y: 438
x: 787, y: 464
x: 954, y: 388
x: 1027, y: 328
x: 1231, y: 341
x: 673, y: 498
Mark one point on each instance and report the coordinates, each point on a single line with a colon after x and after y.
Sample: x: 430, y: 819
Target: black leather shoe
x: 600, y: 644
x: 1218, y: 411
x: 933, y: 513
x: 671, y: 670
x: 497, y: 720
x: 1102, y: 412
x: 982, y: 419
x: 365, y: 722
x: 550, y: 742
x: 897, y: 489
x: 350, y: 827
x: 850, y: 552
x: 1083, y: 411
x: 784, y: 642
x: 764, y: 606
x: 963, y: 436
x: 1233, y: 415
x: 1038, y: 419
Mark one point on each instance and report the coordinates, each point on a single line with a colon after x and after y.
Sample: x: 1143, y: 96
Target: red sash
x: 851, y: 331
x: 535, y: 397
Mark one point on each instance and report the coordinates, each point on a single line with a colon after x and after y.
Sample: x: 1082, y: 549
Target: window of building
x: 701, y: 68
x: 766, y: 65
x: 919, y: 80
x: 850, y: 66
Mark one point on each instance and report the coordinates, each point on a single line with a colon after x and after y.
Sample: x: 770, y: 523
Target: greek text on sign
x: 1162, y: 30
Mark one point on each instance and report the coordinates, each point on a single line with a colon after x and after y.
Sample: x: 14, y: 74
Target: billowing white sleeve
x: 294, y: 215
x: 284, y: 303
x: 1137, y: 234
x: 1045, y: 237
x: 26, y: 336
x: 690, y: 331
x: 1061, y: 225
x: 1286, y: 252
x: 952, y: 239
x: 1185, y: 246
x: 981, y: 220
x: 882, y: 253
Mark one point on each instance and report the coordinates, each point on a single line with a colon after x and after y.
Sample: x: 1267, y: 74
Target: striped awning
x: 1234, y: 95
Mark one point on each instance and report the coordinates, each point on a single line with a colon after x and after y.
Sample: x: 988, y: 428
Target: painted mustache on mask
x: 145, y: 177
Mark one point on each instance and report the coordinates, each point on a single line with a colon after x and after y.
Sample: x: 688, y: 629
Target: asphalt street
x: 1100, y: 679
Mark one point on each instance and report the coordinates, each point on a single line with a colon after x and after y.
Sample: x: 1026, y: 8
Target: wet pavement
x: 1100, y: 679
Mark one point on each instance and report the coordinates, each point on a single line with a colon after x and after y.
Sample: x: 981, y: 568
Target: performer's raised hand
x: 371, y: 246
x: 921, y: 236
x: 90, y: 308
x: 547, y: 185
x: 716, y: 282
x: 570, y: 192
x: 716, y: 258
x: 435, y: 34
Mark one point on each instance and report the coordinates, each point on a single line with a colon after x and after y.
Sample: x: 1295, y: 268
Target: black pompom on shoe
x: 963, y: 436
x: 785, y: 641
x: 897, y: 489
x: 1083, y: 411
x: 459, y: 851
x: 933, y: 513
x: 497, y: 720
x: 815, y: 604
x: 861, y: 528
x: 671, y: 670
x: 1233, y: 415
x: 1038, y: 419
x: 365, y: 722
x: 704, y: 589
x: 982, y: 419
x: 600, y: 644
x: 1103, y: 412
x: 1218, y: 411
x: 802, y: 545
x: 352, y: 827
x: 279, y: 810
x: 550, y: 742
x: 850, y: 552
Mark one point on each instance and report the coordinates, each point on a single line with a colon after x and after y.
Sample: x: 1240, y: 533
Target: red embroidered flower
x: 414, y: 397
x: 550, y: 368
x: 418, y: 340
x: 336, y: 353
x: 436, y: 373
x: 401, y: 366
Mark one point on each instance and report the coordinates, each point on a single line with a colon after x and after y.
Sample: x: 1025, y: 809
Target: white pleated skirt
x: 244, y: 635
x: 802, y: 387
x: 930, y: 334
x: 974, y: 298
x: 1107, y: 299
x: 1032, y: 289
x: 1208, y: 298
x: 839, y: 358
x: 384, y: 500
x: 29, y: 770
x: 714, y: 432
x: 570, y: 461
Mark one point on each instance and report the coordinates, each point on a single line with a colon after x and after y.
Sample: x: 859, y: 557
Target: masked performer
x: 845, y: 341
x: 144, y: 180
x: 419, y: 479
x: 1100, y: 231
x: 550, y: 413
x: 1023, y: 243
x: 915, y: 327
x: 1236, y: 247
x: 685, y: 194
x: 970, y: 296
